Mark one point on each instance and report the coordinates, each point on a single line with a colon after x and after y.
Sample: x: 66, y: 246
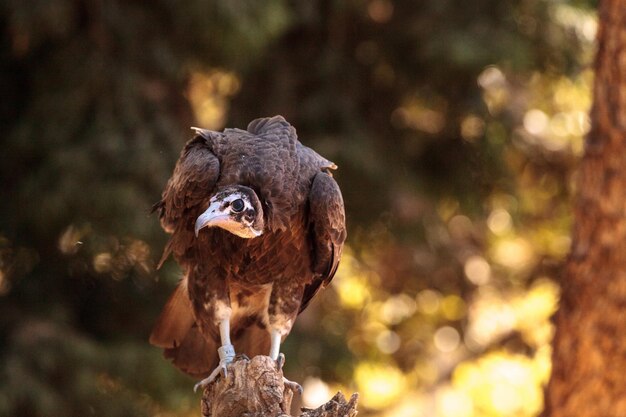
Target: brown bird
x: 258, y: 227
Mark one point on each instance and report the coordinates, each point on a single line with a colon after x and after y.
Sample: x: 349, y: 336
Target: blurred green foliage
x: 456, y: 126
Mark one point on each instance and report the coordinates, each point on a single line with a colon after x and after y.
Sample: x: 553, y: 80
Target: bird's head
x: 236, y: 209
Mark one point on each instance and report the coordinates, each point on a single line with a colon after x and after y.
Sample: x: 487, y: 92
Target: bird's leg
x: 275, y: 354
x: 226, y: 352
x: 284, y: 305
x: 275, y: 345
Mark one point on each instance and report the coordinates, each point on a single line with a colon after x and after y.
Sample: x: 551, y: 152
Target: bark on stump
x: 255, y: 388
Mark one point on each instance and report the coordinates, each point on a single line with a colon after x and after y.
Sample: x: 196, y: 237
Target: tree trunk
x: 255, y: 388
x: 589, y: 359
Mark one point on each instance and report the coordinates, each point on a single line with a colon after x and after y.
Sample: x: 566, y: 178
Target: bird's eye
x: 237, y: 205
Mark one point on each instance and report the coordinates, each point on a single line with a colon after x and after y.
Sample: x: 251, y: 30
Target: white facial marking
x: 236, y: 196
x: 221, y: 213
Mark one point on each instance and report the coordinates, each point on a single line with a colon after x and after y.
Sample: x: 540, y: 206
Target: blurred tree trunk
x: 589, y: 360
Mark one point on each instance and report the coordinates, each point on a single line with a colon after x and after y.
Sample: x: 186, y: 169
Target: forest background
x: 457, y: 127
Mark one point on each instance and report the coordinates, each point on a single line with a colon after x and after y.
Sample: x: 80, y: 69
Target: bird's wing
x: 190, y: 186
x: 327, y: 227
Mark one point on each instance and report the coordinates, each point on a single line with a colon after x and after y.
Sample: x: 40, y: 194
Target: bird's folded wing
x: 186, y: 193
x: 327, y: 226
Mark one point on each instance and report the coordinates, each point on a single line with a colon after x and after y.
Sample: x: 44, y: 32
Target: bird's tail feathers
x: 196, y: 356
x: 176, y: 332
x: 175, y: 320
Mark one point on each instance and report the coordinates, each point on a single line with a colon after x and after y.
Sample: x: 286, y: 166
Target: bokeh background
x: 457, y: 127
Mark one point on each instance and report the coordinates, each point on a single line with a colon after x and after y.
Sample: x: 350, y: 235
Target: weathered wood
x: 337, y: 406
x: 589, y: 359
x: 255, y: 388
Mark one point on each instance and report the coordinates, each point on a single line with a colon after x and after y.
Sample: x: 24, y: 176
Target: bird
x: 257, y: 226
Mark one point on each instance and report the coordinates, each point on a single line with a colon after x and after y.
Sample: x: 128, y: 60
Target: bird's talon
x: 220, y: 370
x: 280, y: 361
x: 293, y: 386
x: 202, y: 384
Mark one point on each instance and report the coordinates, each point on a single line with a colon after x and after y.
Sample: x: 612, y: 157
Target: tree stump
x: 254, y: 388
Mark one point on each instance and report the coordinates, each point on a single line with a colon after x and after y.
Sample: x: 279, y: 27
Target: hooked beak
x: 219, y: 216
x: 211, y: 217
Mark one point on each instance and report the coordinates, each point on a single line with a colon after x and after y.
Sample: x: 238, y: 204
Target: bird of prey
x: 257, y: 225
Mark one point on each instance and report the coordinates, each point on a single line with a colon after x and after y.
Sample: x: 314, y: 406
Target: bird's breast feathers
x: 271, y: 257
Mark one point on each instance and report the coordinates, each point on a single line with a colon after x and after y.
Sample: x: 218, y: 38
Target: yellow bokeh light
x: 496, y: 94
x: 446, y: 339
x: 491, y: 77
x: 516, y: 253
x: 536, y: 121
x: 477, y: 270
x: 539, y: 303
x: 352, y: 291
x: 316, y: 392
x: 452, y: 402
x: 427, y: 372
x: 102, y: 262
x: 472, y: 128
x: 504, y: 399
x: 534, y: 309
x: 388, y: 341
x: 453, y: 307
x: 208, y: 93
x: 351, y: 283
x: 397, y: 308
x: 502, y: 384
x: 379, y: 384
x: 490, y: 317
x: 563, y: 120
x: 460, y: 227
x: 492, y: 314
x: 542, y: 363
x: 419, y: 116
x: 428, y: 301
x: 499, y: 221
x: 412, y: 405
